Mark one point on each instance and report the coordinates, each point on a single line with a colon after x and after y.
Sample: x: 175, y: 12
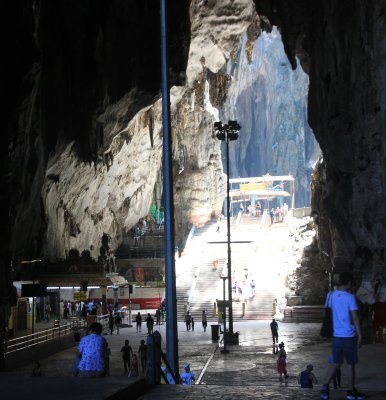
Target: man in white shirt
x: 347, y: 335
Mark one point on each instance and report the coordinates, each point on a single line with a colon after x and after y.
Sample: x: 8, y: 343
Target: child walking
x: 282, y: 362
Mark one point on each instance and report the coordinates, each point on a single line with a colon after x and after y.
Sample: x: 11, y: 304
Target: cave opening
x: 270, y: 100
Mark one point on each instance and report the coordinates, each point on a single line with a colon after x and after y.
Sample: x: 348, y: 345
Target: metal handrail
x: 44, y: 336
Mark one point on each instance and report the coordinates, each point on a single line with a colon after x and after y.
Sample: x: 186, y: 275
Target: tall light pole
x: 228, y: 132
x: 170, y: 270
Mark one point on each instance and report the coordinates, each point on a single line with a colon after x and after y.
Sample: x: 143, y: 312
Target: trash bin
x: 215, y: 332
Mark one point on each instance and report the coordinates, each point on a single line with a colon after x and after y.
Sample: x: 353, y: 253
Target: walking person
x: 282, y: 362
x: 204, y: 320
x: 127, y: 352
x: 158, y: 316
x: 253, y: 286
x: 138, y: 321
x: 274, y: 330
x: 192, y: 324
x: 149, y: 324
x: 117, y: 321
x: 188, y: 320
x: 111, y: 323
x: 347, y: 335
x: 84, y: 311
x: 48, y: 312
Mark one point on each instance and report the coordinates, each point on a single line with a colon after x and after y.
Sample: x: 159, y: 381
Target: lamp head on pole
x: 228, y: 131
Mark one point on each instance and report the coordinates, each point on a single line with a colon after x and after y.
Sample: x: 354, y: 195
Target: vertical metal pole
x: 224, y: 350
x: 170, y: 272
x: 229, y: 244
x: 130, y: 324
x: 33, y: 309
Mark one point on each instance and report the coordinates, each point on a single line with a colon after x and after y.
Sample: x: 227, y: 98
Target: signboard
x: 249, y: 187
x: 80, y: 296
x: 117, y: 280
x: 223, y: 303
x: 33, y: 290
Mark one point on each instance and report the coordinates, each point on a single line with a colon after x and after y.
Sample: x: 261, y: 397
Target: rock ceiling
x: 82, y: 149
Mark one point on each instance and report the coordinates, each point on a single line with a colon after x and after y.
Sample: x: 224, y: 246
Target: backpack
x: 305, y: 380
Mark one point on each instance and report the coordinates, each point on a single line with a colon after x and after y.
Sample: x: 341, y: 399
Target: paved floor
x: 247, y: 372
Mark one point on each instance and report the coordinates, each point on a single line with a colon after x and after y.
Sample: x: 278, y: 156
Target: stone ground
x: 247, y: 372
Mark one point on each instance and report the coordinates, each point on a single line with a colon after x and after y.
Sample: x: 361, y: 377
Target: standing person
x: 73, y: 308
x: 92, y: 353
x: 274, y: 330
x: 61, y: 309
x: 48, y: 312
x: 158, y: 316
x: 218, y: 224
x: 117, y: 321
x: 347, y: 335
x: 127, y: 352
x: 138, y: 321
x: 142, y: 351
x: 282, y: 362
x: 65, y: 309
x: 192, y: 324
x: 84, y: 311
x: 253, y: 286
x: 188, y: 320
x: 111, y: 323
x: 272, y: 215
x: 307, y: 378
x: 187, y: 377
x: 149, y: 324
x: 204, y: 319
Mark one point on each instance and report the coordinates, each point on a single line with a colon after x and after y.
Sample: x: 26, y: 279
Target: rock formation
x: 82, y: 150
x: 341, y: 47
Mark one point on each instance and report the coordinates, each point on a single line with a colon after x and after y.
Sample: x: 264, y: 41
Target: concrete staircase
x: 200, y: 284
x: 208, y: 289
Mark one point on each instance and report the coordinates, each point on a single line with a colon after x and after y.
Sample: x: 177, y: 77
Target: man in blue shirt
x: 346, y: 335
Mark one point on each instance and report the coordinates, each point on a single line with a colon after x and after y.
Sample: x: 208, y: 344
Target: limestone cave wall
x: 341, y: 45
x: 82, y: 148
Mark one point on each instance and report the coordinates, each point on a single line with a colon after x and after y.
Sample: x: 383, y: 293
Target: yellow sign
x: 249, y: 187
x: 80, y: 296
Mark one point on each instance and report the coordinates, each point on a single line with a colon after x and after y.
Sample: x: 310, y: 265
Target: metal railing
x: 44, y: 336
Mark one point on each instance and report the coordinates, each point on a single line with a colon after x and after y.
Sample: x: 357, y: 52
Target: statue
x: 107, y: 254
